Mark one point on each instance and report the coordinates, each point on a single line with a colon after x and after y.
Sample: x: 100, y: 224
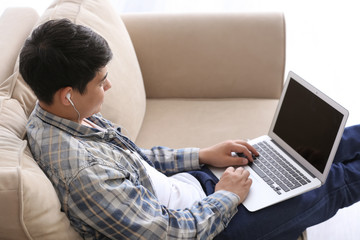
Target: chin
x: 97, y: 111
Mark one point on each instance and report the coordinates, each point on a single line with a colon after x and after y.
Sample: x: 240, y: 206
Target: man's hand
x: 236, y: 181
x: 220, y: 155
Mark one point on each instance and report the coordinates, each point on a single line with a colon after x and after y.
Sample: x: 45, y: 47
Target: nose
x: 107, y: 85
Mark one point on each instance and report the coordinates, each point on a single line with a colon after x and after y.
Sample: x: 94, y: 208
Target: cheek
x: 95, y: 99
x: 100, y: 98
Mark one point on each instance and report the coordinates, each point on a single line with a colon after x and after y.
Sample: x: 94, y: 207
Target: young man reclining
x: 111, y: 189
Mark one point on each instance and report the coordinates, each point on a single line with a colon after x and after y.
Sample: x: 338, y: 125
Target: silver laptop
x: 296, y: 155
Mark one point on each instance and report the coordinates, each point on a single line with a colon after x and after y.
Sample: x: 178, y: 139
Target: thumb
x: 234, y: 160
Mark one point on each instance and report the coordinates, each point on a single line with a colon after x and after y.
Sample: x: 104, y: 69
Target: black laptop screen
x: 308, y: 124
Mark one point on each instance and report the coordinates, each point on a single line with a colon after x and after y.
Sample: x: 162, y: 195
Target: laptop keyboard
x: 275, y: 170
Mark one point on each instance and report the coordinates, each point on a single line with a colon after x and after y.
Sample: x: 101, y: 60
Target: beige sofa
x: 178, y: 80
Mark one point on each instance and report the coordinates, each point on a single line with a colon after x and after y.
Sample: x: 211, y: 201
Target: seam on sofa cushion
x: 79, y: 12
x: 21, y: 193
x: 6, y: 91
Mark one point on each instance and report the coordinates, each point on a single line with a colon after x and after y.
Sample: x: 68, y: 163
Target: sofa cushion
x: 22, y: 19
x: 29, y: 206
x: 13, y: 117
x: 204, y: 122
x: 11, y: 84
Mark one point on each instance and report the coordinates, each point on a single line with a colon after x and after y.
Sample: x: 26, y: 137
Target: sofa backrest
x: 29, y: 206
x: 214, y: 55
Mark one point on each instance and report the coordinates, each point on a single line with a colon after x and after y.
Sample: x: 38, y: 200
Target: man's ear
x: 64, y: 95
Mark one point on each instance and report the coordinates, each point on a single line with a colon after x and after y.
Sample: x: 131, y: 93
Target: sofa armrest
x: 227, y: 55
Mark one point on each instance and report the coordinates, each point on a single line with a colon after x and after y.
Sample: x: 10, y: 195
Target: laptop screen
x: 308, y: 124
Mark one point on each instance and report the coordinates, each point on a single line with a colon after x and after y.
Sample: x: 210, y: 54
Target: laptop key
x: 272, y: 167
x: 258, y: 170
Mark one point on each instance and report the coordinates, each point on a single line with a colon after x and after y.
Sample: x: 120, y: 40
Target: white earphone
x: 68, y: 96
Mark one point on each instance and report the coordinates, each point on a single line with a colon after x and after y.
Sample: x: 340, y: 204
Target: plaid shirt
x: 105, y: 190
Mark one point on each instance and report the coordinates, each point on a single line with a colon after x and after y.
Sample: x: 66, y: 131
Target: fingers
x: 246, y: 149
x: 235, y: 180
x: 250, y: 149
x: 244, y: 175
x: 229, y: 169
x: 221, y: 155
x: 240, y: 171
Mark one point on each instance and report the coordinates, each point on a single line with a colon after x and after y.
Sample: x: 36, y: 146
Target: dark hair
x: 60, y: 53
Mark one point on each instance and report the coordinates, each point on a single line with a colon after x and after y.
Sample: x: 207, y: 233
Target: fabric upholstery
x: 11, y: 84
x: 29, y: 206
x: 210, y: 55
x: 204, y: 122
x: 11, y: 41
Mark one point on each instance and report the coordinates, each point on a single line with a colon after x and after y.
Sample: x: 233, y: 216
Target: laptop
x: 296, y: 155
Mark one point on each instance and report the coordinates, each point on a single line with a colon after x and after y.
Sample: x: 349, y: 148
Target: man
x: 109, y: 188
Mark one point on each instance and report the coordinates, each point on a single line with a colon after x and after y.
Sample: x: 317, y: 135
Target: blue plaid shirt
x: 106, y: 191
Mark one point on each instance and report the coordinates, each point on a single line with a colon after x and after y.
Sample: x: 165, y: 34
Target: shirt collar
x: 69, y: 126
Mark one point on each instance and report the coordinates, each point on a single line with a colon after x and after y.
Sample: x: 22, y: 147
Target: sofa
x: 178, y: 80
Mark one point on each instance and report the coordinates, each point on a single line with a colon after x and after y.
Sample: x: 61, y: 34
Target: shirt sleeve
x: 170, y: 161
x: 108, y: 202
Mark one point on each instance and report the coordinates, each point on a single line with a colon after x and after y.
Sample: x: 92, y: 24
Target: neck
x: 61, y: 111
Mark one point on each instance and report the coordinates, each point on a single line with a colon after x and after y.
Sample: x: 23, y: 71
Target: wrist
x: 202, y: 156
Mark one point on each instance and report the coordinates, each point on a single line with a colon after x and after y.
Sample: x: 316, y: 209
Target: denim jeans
x: 288, y: 219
